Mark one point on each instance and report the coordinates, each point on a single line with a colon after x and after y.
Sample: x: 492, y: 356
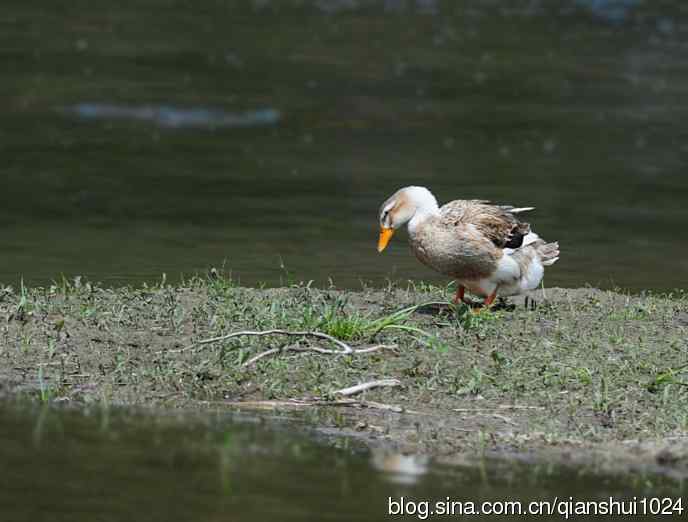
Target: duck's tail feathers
x: 531, y: 238
x: 548, y: 252
x: 514, y: 210
x: 518, y: 210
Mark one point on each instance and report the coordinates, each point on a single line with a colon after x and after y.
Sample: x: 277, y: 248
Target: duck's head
x: 401, y: 208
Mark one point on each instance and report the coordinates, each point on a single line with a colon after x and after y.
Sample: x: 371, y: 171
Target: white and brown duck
x: 484, y: 247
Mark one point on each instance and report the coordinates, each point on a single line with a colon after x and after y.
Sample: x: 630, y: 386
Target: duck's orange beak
x: 385, y: 235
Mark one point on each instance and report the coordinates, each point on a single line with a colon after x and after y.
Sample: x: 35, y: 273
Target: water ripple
x: 174, y: 117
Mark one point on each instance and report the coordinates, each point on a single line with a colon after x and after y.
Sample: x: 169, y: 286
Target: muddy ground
x: 585, y: 376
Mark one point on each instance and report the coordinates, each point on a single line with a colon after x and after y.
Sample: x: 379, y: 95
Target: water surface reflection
x: 115, y: 464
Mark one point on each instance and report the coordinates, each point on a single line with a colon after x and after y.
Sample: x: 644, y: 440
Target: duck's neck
x: 426, y: 207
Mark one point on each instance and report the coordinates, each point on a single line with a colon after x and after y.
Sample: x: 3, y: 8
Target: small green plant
x: 287, y: 278
x: 584, y: 375
x: 25, y: 341
x: 471, y: 320
x: 64, y: 285
x: 44, y: 388
x: 24, y: 306
x: 666, y: 378
x: 347, y: 325
x: 219, y: 281
x: 87, y: 311
x: 51, y: 348
x: 500, y: 359
x: 474, y: 384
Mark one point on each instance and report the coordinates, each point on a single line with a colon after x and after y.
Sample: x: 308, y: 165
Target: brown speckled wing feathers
x: 496, y: 223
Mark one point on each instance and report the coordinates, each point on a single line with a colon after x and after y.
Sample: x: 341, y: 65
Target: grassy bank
x: 585, y: 371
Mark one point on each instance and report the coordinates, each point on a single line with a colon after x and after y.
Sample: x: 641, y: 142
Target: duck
x: 484, y: 247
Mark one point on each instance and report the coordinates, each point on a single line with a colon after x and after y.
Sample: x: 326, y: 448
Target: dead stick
x: 258, y: 357
x: 316, y: 349
x: 345, y: 348
x: 353, y: 390
x: 499, y: 407
x: 302, y: 403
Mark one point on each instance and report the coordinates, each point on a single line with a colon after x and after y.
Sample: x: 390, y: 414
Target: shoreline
x: 586, y: 377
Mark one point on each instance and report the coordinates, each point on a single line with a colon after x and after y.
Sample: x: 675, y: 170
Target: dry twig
x: 303, y: 403
x: 499, y: 407
x: 317, y: 349
x: 343, y: 347
x: 353, y: 390
x: 319, y: 401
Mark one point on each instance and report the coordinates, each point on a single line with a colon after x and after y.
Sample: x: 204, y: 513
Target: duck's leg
x: 490, y: 299
x: 460, y: 291
x: 487, y: 303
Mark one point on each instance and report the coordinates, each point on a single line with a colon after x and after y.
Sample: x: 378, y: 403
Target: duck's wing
x: 498, y: 223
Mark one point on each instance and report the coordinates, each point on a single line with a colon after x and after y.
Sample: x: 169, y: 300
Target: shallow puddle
x: 115, y: 464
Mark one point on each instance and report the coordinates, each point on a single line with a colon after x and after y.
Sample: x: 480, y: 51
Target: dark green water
x: 110, y: 169
x: 112, y: 465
